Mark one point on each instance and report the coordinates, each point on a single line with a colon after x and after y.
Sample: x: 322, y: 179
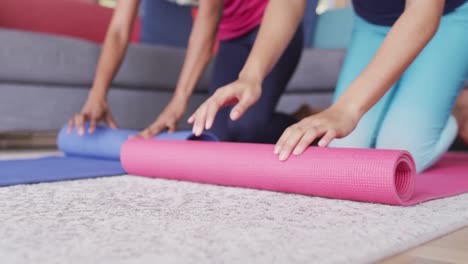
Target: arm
x: 279, y: 24
x: 200, y: 47
x: 115, y: 45
x: 113, y: 51
x: 408, y: 36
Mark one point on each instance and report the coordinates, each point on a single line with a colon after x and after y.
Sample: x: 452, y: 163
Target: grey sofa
x: 44, y: 80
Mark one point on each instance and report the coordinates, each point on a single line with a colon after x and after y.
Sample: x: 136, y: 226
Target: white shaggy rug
x: 137, y: 220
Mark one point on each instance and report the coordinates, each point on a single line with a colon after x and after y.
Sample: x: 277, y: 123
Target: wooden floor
x: 452, y: 248
x: 26, y: 140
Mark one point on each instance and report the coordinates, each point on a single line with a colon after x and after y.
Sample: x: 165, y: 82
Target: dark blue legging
x: 260, y: 124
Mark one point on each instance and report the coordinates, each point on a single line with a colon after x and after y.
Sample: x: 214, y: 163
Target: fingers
x: 212, y: 110
x: 191, y: 119
x: 240, y: 108
x: 152, y: 131
x: 172, y: 127
x: 205, y: 115
x: 289, y: 140
x: 143, y: 134
x: 94, y: 112
x: 305, y: 141
x: 70, y: 126
x: 79, y: 123
x: 327, y: 125
x: 157, y: 128
x: 222, y: 97
x: 329, y: 137
x: 281, y: 141
x: 199, y: 120
x: 111, y: 121
x: 242, y: 94
x: 92, y: 125
x: 298, y: 137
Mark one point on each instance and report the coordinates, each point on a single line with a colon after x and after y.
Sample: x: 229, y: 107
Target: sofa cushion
x: 46, y: 59
x: 317, y: 71
x: 158, y: 67
x: 151, y: 67
x: 28, y: 57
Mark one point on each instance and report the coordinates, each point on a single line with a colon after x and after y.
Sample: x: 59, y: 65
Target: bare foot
x: 461, y: 114
x: 305, y: 111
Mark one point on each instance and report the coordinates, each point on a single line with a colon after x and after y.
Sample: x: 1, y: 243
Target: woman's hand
x: 94, y: 110
x: 243, y: 93
x: 168, y: 119
x: 334, y: 122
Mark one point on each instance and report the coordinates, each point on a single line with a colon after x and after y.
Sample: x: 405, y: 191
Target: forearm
x: 114, y: 47
x: 279, y: 24
x: 110, y: 60
x: 199, y: 52
x: 409, y: 35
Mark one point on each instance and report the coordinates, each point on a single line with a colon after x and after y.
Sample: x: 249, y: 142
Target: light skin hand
x: 279, y: 23
x: 408, y: 36
x: 168, y: 119
x: 334, y: 122
x: 243, y: 93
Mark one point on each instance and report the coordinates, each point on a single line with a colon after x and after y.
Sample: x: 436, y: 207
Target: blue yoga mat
x: 88, y: 156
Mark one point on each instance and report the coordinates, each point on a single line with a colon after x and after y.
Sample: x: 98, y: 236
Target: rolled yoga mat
x: 367, y: 175
x: 88, y: 156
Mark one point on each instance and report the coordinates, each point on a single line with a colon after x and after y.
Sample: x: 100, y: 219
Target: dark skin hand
x: 198, y: 56
x: 96, y: 108
x: 199, y: 52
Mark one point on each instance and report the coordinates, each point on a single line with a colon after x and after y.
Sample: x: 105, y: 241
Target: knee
x: 420, y: 149
x: 425, y: 145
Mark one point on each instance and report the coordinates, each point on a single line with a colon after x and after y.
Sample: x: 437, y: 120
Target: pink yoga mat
x: 367, y: 175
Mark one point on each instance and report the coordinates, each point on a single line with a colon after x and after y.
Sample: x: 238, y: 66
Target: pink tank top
x: 239, y: 17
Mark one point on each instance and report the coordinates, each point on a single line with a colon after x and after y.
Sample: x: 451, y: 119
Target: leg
x: 260, y: 123
x: 228, y: 63
x: 418, y: 118
x: 365, y: 41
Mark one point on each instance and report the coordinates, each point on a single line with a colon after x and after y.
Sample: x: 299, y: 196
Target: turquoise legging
x: 415, y: 114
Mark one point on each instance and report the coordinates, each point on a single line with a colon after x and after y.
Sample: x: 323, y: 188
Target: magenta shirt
x: 239, y: 17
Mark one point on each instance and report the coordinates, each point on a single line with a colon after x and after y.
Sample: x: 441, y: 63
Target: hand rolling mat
x: 88, y: 156
x: 367, y: 175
